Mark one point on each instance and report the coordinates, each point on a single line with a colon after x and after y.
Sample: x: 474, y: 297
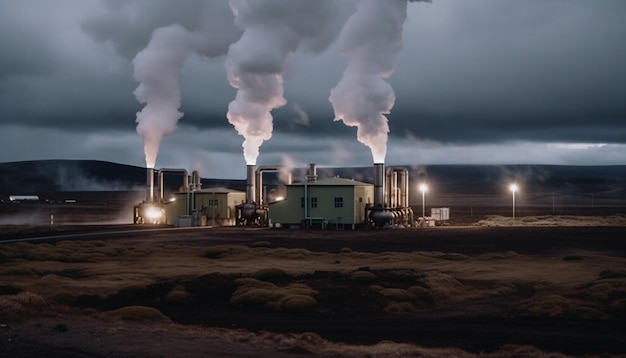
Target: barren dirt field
x: 532, y: 288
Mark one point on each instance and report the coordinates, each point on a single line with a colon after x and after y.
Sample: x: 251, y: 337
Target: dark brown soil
x: 347, y: 311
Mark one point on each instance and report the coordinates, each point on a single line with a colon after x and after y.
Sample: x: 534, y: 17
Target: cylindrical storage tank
x: 251, y: 184
x: 381, y: 217
x: 379, y: 184
x: 249, y: 211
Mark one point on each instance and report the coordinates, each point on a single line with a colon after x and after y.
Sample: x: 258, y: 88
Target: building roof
x: 218, y: 190
x: 333, y: 182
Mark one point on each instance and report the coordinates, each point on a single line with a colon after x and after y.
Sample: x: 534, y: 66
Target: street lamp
x: 423, y: 189
x: 514, y: 188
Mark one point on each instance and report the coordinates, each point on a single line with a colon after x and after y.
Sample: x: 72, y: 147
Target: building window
x: 212, y: 203
x: 338, y: 202
x: 360, y: 199
x: 313, y: 202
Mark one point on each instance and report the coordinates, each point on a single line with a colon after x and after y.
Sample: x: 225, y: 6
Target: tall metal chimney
x: 150, y: 184
x: 251, y: 184
x: 379, y: 184
x: 311, y: 173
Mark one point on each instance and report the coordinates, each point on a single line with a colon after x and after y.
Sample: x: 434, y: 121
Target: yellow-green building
x: 334, y: 202
x: 211, y: 206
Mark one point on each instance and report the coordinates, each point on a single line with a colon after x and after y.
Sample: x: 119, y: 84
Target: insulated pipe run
x: 398, y: 186
x: 150, y: 184
x: 259, y: 179
x: 379, y: 184
x: 196, y: 182
x: 185, y: 179
x: 250, y: 184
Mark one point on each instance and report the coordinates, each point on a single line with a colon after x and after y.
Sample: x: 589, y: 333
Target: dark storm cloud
x: 469, y: 74
x: 533, y: 70
x: 128, y: 24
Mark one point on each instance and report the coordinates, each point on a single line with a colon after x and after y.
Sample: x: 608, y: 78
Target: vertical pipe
x: 250, y: 185
x: 150, y: 184
x: 404, y: 193
x: 195, y: 180
x: 379, y: 184
x: 311, y: 173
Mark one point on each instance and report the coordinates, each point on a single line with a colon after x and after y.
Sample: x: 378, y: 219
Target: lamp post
x: 423, y: 189
x: 514, y: 188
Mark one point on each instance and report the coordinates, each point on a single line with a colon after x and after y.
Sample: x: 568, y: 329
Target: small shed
x: 209, y: 206
x: 333, y: 202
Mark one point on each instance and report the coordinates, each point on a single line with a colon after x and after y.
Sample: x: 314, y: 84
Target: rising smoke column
x: 257, y: 63
x: 370, y: 40
x: 157, y: 68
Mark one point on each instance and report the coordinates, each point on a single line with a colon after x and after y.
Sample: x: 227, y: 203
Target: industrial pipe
x: 259, y: 179
x: 250, y: 184
x: 150, y: 184
x: 166, y: 170
x: 398, y: 186
x: 379, y: 184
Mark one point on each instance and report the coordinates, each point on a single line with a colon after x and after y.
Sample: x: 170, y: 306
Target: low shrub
x: 22, y: 305
x: 296, y: 303
x: 362, y: 276
x: 178, y: 294
x: 398, y: 295
x: 422, y: 294
x: 294, y: 297
x: 586, y: 312
x: 222, y: 251
x: 546, y: 306
x: 270, y: 274
x: 139, y: 313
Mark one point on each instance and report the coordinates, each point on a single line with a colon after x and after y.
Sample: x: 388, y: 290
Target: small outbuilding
x: 333, y: 202
x: 211, y: 206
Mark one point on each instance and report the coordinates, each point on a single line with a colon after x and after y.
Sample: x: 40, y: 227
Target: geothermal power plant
x: 306, y: 202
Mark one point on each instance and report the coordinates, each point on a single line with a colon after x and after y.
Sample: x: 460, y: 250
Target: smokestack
x: 150, y: 184
x: 251, y: 183
x: 311, y: 173
x: 379, y: 184
x: 196, y: 182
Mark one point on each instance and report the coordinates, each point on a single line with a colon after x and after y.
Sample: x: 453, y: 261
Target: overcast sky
x: 476, y: 82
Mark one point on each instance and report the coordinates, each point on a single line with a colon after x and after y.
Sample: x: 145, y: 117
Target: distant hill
x: 32, y: 177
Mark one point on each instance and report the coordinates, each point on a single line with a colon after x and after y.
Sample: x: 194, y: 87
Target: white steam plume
x: 157, y: 68
x: 257, y: 63
x: 370, y: 40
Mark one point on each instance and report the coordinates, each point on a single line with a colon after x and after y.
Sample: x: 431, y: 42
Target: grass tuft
x: 270, y: 274
x: 140, y: 314
x: 362, y: 276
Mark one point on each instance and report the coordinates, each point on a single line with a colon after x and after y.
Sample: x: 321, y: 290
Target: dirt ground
x: 487, y: 289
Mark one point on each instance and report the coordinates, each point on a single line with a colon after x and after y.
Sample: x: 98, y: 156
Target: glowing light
x: 423, y: 188
x: 153, y: 213
x: 514, y: 188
